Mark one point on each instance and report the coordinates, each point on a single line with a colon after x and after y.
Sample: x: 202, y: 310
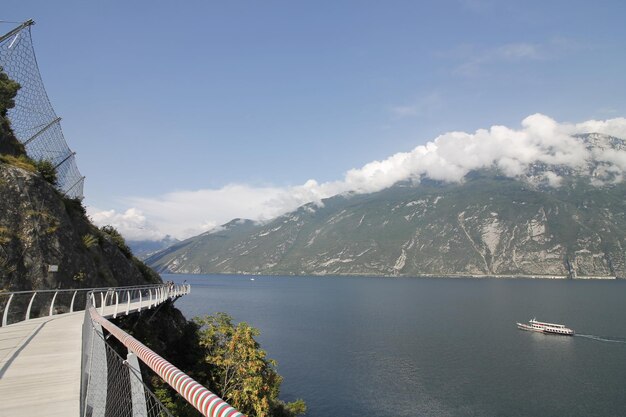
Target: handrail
x: 100, y: 374
x: 130, y: 287
x: 55, y: 292
x: 209, y: 404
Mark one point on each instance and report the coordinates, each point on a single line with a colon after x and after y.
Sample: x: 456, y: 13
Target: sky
x: 185, y: 116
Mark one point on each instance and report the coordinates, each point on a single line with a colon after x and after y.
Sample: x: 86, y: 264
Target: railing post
x: 103, y: 300
x: 138, y: 397
x: 52, y: 302
x: 117, y: 299
x: 5, y: 315
x: 150, y: 303
x: 128, y: 303
x: 30, y: 304
x: 72, y: 303
x: 140, y: 301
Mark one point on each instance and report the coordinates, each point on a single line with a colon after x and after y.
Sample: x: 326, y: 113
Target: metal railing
x: 110, y: 384
x: 104, y: 371
x: 19, y: 306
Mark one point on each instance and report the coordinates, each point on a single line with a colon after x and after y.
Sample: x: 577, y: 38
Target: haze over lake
x: 360, y: 346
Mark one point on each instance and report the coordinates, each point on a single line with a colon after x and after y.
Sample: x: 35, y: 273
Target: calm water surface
x: 355, y: 346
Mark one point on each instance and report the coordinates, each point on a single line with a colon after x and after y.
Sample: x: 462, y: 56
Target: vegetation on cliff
x: 8, y: 143
x: 39, y: 227
x: 223, y: 356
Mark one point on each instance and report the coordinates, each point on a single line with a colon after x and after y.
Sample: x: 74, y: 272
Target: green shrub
x: 5, y: 235
x: 115, y: 236
x: 79, y: 276
x: 8, y: 143
x: 21, y: 161
x: 47, y: 171
x: 74, y: 205
x: 240, y: 371
x: 44, y: 218
x: 8, y: 91
x: 89, y: 240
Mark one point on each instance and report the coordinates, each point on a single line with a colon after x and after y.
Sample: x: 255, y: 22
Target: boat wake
x: 601, y: 339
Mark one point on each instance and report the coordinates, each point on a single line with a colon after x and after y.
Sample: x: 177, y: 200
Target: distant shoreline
x: 477, y: 276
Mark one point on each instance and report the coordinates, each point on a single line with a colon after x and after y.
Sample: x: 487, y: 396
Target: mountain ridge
x: 553, y: 221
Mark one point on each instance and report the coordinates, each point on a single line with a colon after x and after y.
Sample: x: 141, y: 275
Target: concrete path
x: 40, y: 365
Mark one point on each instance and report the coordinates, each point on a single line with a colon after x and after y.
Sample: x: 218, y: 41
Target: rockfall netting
x: 33, y: 119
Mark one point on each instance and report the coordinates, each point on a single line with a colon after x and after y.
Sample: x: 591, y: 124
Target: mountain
x: 214, y: 243
x: 557, y: 221
x: 143, y: 249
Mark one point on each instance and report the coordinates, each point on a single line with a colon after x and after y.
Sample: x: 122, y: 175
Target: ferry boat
x: 548, y: 328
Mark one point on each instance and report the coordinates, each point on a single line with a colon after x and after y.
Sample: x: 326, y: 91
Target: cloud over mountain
x: 449, y: 157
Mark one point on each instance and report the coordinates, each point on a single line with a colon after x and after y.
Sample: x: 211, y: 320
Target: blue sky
x: 216, y: 104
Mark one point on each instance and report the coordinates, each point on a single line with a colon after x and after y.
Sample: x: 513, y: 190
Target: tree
x: 239, y: 370
x: 8, y: 90
x: 47, y: 171
x: 117, y: 238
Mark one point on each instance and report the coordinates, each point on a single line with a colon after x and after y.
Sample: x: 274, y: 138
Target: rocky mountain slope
x: 143, y: 249
x: 39, y: 228
x: 552, y: 221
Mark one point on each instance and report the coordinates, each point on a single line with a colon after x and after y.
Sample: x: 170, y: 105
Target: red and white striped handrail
x: 209, y: 404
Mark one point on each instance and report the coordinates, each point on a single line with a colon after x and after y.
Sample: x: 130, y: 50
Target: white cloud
x: 614, y: 127
x: 554, y: 180
x: 448, y: 157
x: 132, y: 224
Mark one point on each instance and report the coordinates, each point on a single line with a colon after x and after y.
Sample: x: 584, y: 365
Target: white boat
x: 548, y: 328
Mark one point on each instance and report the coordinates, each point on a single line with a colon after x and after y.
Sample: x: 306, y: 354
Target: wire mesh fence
x: 33, y: 119
x: 112, y: 386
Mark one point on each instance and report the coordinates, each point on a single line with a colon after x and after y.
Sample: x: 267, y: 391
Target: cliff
x: 40, y: 229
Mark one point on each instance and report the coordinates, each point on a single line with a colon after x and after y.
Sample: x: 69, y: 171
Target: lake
x: 362, y: 346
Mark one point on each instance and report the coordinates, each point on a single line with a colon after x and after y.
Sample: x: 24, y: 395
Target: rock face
x: 487, y: 225
x: 39, y: 229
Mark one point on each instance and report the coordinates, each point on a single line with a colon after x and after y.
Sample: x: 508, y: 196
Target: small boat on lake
x: 547, y: 328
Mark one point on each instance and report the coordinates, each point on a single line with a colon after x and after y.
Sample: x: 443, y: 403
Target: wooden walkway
x: 40, y: 362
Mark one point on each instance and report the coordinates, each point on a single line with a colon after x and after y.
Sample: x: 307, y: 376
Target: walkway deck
x: 40, y: 367
x: 40, y: 363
